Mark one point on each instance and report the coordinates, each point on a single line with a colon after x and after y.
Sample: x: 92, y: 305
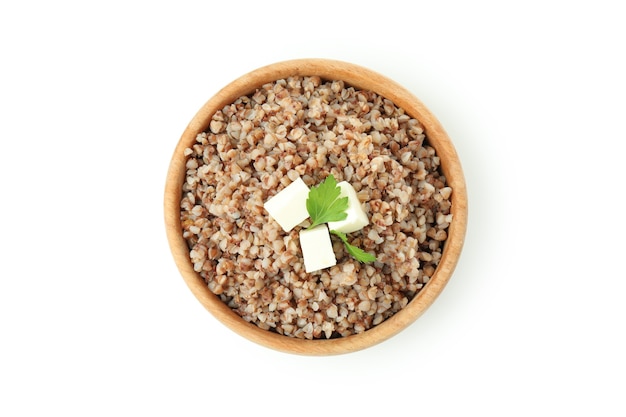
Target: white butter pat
x: 288, y: 207
x: 317, y: 248
x: 356, y: 219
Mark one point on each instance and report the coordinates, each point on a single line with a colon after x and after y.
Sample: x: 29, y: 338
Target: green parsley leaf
x: 358, y: 253
x: 324, y: 204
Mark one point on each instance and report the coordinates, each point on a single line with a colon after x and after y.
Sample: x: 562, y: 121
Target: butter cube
x: 317, y: 248
x: 356, y: 219
x: 288, y: 207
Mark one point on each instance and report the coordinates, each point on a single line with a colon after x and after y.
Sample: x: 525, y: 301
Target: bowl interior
x: 357, y: 77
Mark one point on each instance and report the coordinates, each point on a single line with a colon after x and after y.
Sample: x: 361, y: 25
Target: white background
x: 94, y: 316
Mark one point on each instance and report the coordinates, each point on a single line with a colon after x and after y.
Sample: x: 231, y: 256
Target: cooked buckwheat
x: 309, y: 128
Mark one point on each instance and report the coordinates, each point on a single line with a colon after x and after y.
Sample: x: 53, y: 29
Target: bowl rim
x: 358, y: 77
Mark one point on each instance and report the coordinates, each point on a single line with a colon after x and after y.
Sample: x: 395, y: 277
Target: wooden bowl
x: 358, y: 77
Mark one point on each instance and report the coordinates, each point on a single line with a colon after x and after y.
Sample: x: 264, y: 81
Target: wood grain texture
x: 361, y: 78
